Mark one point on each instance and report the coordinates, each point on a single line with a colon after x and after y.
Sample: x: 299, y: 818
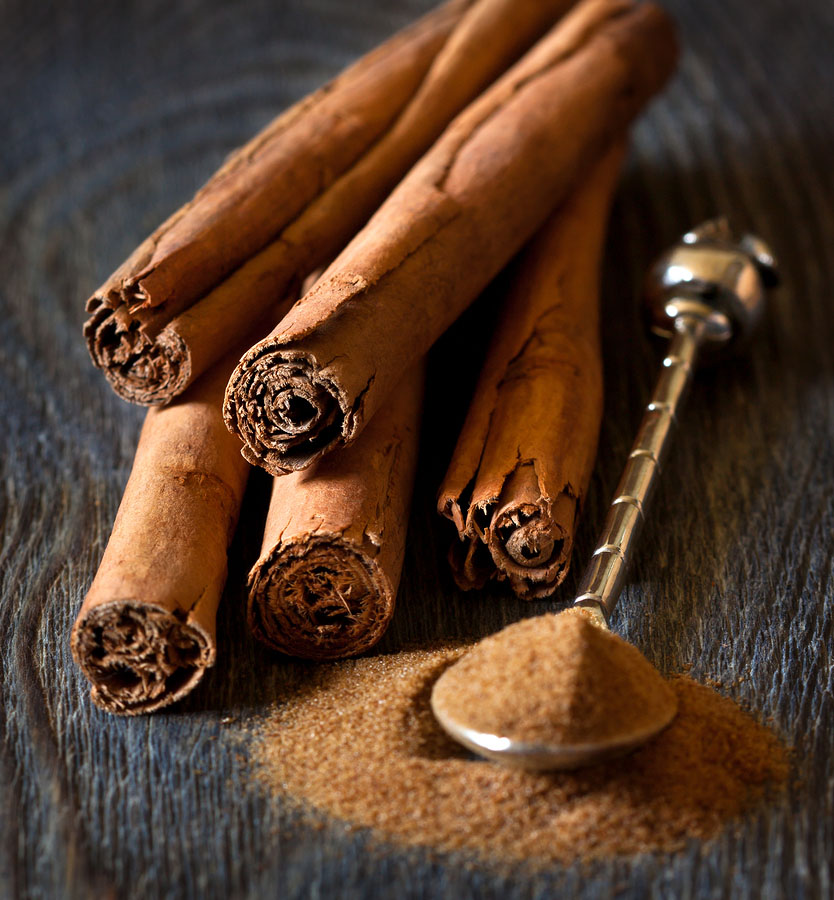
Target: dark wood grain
x: 113, y: 113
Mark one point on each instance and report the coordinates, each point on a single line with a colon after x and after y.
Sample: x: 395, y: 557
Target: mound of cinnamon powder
x: 558, y: 680
x: 357, y: 740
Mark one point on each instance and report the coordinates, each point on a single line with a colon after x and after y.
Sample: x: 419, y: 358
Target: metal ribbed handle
x: 605, y: 575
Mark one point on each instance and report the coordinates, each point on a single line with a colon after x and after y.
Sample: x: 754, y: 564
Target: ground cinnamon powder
x: 357, y: 740
x: 558, y: 680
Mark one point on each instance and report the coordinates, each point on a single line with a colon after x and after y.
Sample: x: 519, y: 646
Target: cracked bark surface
x: 289, y: 201
x: 145, y: 633
x: 456, y: 219
x: 522, y: 463
x: 326, y: 581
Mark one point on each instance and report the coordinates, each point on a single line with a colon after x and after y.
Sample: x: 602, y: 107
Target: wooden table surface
x: 113, y: 113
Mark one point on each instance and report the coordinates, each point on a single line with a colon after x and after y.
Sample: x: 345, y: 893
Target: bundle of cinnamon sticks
x: 415, y: 177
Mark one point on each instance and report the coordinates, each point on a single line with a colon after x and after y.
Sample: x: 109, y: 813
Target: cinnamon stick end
x: 531, y: 542
x: 286, y: 412
x: 320, y: 598
x: 139, y: 657
x: 140, y: 369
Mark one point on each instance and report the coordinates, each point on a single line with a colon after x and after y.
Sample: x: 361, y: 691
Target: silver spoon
x: 706, y: 294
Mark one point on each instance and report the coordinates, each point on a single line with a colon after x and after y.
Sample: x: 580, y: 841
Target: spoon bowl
x: 578, y: 719
x: 543, y: 757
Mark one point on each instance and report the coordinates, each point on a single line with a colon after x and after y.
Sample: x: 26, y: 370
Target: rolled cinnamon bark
x: 449, y: 227
x: 145, y: 633
x: 334, y: 541
x: 521, y: 467
x: 278, y: 210
x: 244, y: 205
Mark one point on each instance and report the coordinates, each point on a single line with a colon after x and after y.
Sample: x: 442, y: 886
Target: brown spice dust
x: 358, y: 741
x: 558, y: 680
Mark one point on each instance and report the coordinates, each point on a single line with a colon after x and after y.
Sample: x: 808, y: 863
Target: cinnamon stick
x: 521, y: 467
x: 457, y: 218
x: 279, y: 209
x: 244, y: 205
x: 326, y: 582
x: 145, y: 633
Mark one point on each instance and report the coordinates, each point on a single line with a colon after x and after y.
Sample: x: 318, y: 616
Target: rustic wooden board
x: 113, y: 114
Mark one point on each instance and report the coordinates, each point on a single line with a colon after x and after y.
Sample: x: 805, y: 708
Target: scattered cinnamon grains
x: 357, y: 740
x: 558, y: 680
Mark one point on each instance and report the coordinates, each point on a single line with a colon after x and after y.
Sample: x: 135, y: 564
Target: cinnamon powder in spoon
x: 356, y: 740
x: 558, y: 680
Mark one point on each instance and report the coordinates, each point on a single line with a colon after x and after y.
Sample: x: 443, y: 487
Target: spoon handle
x: 706, y: 292
x: 604, y: 576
